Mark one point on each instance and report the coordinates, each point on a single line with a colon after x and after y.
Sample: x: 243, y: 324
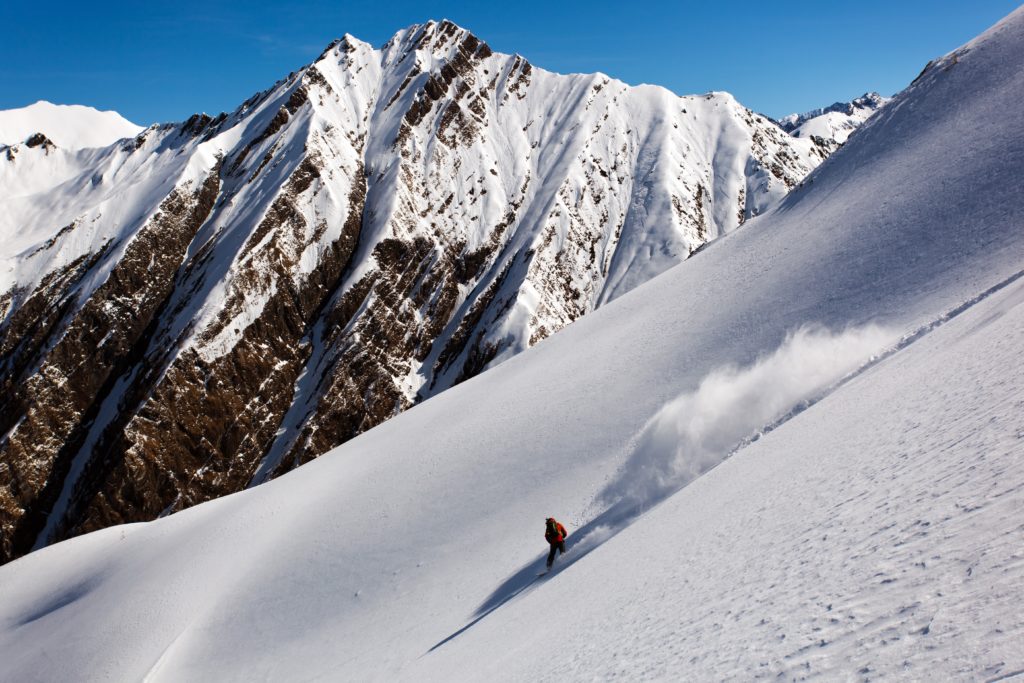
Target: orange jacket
x: 559, y: 534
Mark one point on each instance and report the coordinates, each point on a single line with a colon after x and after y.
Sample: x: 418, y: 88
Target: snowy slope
x: 212, y: 303
x: 380, y: 559
x: 875, y: 536
x: 68, y: 126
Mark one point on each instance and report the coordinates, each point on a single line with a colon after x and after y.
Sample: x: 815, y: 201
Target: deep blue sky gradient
x: 159, y: 61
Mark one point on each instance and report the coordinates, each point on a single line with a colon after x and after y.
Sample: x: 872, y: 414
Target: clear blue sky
x: 156, y: 61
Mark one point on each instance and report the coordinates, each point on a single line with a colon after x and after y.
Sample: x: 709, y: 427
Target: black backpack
x: 552, y: 529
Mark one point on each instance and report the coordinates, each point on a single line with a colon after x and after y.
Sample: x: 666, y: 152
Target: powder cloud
x: 698, y: 430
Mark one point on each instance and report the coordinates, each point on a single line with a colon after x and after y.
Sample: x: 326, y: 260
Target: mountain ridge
x: 874, y: 533
x: 833, y: 125
x: 212, y: 303
x: 71, y: 126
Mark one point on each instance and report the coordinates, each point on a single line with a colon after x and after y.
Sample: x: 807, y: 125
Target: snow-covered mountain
x: 856, y: 350
x: 832, y: 125
x: 68, y: 126
x: 211, y: 303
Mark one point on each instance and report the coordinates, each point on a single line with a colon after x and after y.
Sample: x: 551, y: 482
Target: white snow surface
x: 68, y: 126
x: 870, y: 527
x: 610, y: 183
x: 837, y: 122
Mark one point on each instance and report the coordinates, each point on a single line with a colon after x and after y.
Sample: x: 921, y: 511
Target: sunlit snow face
x: 698, y: 430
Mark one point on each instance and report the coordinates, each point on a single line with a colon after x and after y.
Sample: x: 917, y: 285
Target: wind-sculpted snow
x: 698, y: 430
x: 876, y: 533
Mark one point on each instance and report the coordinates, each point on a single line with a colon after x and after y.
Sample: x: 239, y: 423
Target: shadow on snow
x: 577, y: 546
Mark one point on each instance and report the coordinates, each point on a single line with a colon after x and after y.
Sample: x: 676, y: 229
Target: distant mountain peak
x: 836, y: 122
x: 869, y: 100
x: 67, y: 126
x: 365, y: 233
x: 439, y: 39
x: 748, y: 494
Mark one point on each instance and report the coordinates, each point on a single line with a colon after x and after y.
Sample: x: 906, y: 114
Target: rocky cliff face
x: 215, y: 302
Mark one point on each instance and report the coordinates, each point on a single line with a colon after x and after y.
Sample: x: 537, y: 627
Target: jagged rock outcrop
x: 215, y: 302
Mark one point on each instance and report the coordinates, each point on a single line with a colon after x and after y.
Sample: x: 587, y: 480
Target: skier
x: 554, y: 534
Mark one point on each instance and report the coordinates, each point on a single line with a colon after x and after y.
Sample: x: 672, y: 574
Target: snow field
x: 695, y: 431
x: 797, y: 556
x: 878, y: 534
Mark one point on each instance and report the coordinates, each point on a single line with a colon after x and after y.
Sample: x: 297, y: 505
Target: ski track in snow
x: 877, y: 533
x: 864, y: 538
x: 694, y: 434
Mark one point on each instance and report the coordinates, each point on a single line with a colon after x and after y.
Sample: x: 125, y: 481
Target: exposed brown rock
x: 199, y: 408
x: 40, y: 140
x: 196, y: 124
x: 204, y: 427
x: 276, y: 123
x: 55, y: 404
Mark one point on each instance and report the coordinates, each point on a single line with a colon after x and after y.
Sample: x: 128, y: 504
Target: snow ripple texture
x: 876, y: 534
